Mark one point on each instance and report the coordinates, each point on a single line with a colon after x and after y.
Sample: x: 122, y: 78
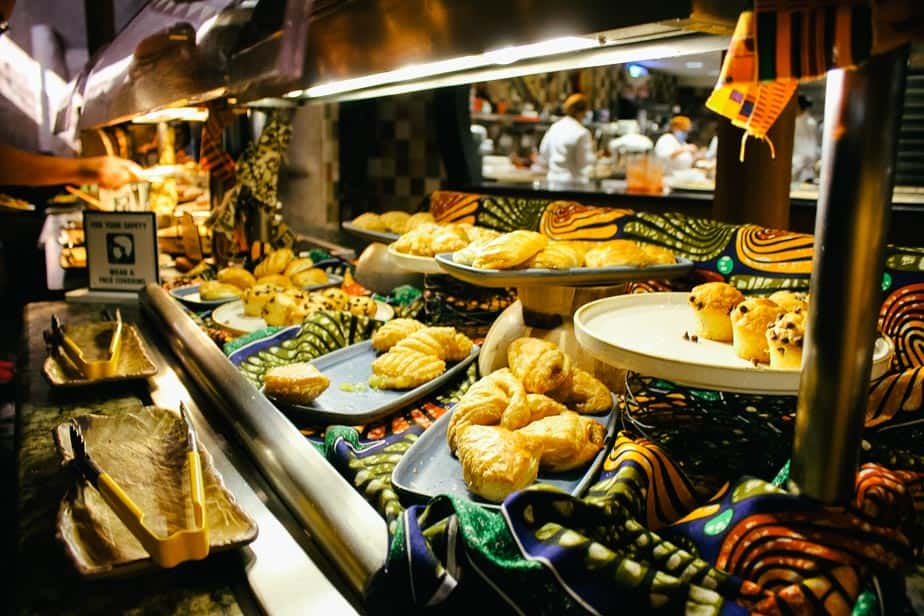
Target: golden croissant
x: 498, y: 398
x: 539, y: 364
x: 583, y: 392
x: 404, y: 369
x: 496, y: 461
x: 443, y: 342
x: 617, y: 252
x: 557, y: 255
x: 565, y: 441
x: 541, y: 406
x: 510, y: 250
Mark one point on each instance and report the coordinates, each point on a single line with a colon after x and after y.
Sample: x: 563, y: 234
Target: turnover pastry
x: 496, y: 461
x: 712, y: 304
x: 370, y: 221
x: 274, y: 263
x: 443, y: 342
x: 558, y: 256
x: 392, y: 332
x: 448, y: 238
x: 565, y: 441
x: 405, y: 369
x: 583, y: 392
x: 395, y: 221
x: 539, y: 364
x: 510, y: 250
x: 295, y: 383
x: 750, y: 320
x: 498, y: 398
x: 212, y: 290
x: 617, y: 252
x: 417, y: 241
x: 479, y: 234
x: 467, y: 255
x: 237, y: 276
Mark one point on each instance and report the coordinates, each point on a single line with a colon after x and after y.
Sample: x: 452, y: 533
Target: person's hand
x: 111, y: 171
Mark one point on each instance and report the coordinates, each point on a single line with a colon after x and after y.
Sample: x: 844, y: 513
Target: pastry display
x: 750, y: 320
x: 510, y: 250
x: 395, y: 221
x: 212, y: 290
x: 417, y: 241
x: 712, y: 303
x: 498, y: 398
x: 392, y: 332
x: 256, y: 297
x: 496, y: 461
x: 405, y: 369
x: 295, y: 383
x: 420, y: 218
x: 339, y: 300
x: 790, y: 301
x: 539, y: 364
x: 565, y: 441
x: 443, y: 342
x: 467, y: 255
x: 541, y: 406
x: 279, y: 280
x: 237, y: 276
x: 370, y: 221
x: 276, y: 311
x: 479, y: 234
x: 659, y: 255
x: 448, y: 238
x: 785, y: 337
x: 617, y: 252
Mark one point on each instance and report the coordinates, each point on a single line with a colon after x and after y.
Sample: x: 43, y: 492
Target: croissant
x: 540, y: 364
x: 404, y: 369
x: 498, y: 398
x: 496, y: 461
x: 542, y: 406
x: 583, y: 392
x: 274, y: 263
x: 565, y: 441
x: 510, y: 250
x: 393, y: 332
x: 557, y: 255
x: 443, y: 342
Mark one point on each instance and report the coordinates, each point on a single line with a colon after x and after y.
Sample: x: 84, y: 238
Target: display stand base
x: 89, y: 296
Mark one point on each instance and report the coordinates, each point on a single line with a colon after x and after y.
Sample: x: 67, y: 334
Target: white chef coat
x: 567, y: 151
x: 666, y: 145
x: 805, y: 148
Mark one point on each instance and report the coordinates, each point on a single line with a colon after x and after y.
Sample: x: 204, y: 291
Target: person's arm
x: 21, y: 168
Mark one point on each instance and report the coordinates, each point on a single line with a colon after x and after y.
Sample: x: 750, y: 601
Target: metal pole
x: 862, y: 109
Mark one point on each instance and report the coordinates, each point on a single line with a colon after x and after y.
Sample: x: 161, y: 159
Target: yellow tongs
x: 92, y: 369
x: 183, y: 545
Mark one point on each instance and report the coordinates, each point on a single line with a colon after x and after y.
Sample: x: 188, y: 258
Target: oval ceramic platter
x: 575, y: 276
x: 231, y: 316
x: 428, y: 467
x: 645, y: 333
x: 366, y: 234
x: 414, y: 263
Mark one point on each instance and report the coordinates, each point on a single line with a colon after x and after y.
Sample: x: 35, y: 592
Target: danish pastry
x: 496, y: 461
x: 712, y: 303
x: 565, y: 441
x: 443, y: 342
x: 393, y: 332
x: 295, y: 383
x: 498, y: 398
x: 404, y: 369
x: 370, y: 221
x: 363, y: 306
x: 750, y: 320
x: 237, y: 276
x: 510, y: 250
x: 395, y: 221
x: 617, y: 252
x: 785, y: 337
x: 212, y: 290
x: 583, y: 392
x: 557, y: 255
x: 541, y: 406
x: 539, y: 364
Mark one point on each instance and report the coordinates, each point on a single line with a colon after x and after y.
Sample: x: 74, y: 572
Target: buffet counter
x: 282, y: 571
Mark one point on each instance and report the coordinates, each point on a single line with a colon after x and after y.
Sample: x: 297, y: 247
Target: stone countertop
x: 46, y: 582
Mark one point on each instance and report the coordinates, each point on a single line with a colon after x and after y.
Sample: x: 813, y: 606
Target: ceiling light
x: 173, y: 114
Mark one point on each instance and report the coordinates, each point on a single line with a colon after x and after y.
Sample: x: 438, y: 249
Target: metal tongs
x: 183, y: 545
x: 92, y: 369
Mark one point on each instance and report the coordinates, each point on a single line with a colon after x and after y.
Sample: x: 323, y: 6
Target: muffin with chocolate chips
x: 750, y: 320
x: 791, y: 301
x: 784, y: 338
x: 712, y: 302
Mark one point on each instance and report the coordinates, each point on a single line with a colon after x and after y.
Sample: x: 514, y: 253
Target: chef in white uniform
x: 566, y: 150
x: 672, y: 150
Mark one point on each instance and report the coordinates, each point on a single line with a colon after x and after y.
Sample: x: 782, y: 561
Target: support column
x: 862, y: 109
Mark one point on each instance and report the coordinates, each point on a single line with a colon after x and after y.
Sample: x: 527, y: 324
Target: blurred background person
x: 566, y: 151
x: 672, y: 149
x: 806, y: 149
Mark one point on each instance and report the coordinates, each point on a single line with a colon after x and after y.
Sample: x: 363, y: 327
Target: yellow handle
x: 197, y: 489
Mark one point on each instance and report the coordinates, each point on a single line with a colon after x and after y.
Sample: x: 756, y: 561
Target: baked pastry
x: 658, y: 255
x: 790, y: 301
x: 417, y: 241
x: 750, y: 320
x: 309, y: 277
x: 583, y: 392
x: 539, y: 364
x: 298, y: 265
x: 541, y: 406
x: 256, y: 296
x: 395, y: 221
x: 212, y: 290
x: 280, y: 280
x: 237, y: 276
x: 420, y: 218
x: 557, y: 255
x: 404, y: 369
x: 443, y: 342
x: 274, y: 263
x: 295, y: 383
x: 276, y: 311
x: 448, y: 238
x: 510, y: 250
x: 498, y: 398
x: 565, y: 441
x: 616, y: 252
x: 785, y: 337
x: 712, y: 303
x: 370, y: 221
x: 496, y: 461
x: 337, y: 297
x: 467, y: 255
x: 362, y: 306
x: 479, y: 234
x: 302, y: 310
x: 392, y: 332
x: 298, y: 295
